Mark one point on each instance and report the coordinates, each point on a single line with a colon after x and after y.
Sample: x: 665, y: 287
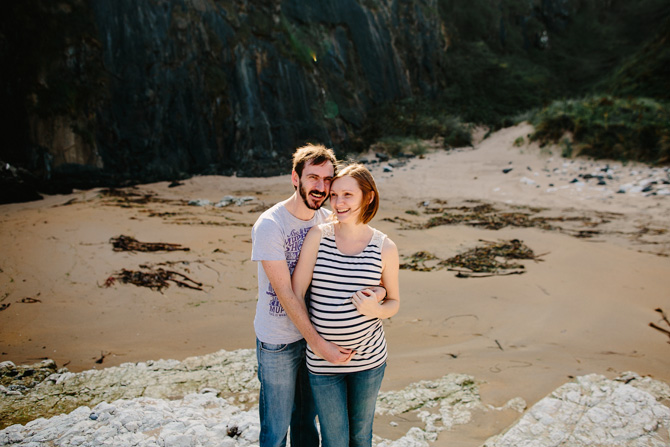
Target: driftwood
x: 665, y: 319
x: 658, y: 328
x: 128, y: 243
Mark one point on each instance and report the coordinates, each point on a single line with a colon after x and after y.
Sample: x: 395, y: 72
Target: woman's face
x: 346, y: 198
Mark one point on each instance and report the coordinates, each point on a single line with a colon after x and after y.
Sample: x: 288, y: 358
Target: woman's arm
x: 300, y: 281
x: 367, y: 304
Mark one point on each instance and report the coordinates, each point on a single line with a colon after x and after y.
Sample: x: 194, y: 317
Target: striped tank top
x: 336, y: 277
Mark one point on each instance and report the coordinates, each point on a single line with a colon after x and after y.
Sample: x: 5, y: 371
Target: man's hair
x: 316, y: 154
x: 367, y: 184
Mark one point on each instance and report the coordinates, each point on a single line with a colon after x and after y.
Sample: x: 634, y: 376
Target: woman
x: 338, y: 262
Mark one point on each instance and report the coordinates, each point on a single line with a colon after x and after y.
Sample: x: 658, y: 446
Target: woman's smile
x: 345, y: 197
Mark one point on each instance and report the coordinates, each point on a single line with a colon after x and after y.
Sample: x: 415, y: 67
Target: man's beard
x: 305, y: 198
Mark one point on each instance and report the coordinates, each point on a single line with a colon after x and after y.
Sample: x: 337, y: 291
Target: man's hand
x: 380, y: 292
x: 366, y: 303
x: 333, y: 353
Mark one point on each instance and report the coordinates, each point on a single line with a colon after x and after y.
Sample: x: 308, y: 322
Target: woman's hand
x: 366, y: 302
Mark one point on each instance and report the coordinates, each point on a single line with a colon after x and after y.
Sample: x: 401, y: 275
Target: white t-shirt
x: 278, y: 235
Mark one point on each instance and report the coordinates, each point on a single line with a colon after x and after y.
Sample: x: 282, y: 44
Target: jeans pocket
x: 269, y: 347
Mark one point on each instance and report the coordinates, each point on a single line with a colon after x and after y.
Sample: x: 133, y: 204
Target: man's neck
x: 296, y: 206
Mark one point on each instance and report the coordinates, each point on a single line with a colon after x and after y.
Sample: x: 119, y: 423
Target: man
x: 282, y: 324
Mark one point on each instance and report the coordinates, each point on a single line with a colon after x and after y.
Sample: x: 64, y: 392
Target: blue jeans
x: 285, y: 398
x: 346, y: 406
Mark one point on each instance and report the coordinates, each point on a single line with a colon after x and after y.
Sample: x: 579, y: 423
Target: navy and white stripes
x: 335, y: 279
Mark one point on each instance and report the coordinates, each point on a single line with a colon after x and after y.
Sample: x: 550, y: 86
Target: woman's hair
x: 366, y: 182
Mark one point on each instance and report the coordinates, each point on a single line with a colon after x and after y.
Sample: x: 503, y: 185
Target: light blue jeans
x: 285, y: 397
x: 346, y: 406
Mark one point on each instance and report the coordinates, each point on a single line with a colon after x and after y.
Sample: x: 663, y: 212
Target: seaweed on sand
x: 478, y: 262
x: 486, y: 216
x: 128, y: 243
x: 153, y: 279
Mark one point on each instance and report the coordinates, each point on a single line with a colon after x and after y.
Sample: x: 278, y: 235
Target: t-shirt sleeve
x: 267, y: 241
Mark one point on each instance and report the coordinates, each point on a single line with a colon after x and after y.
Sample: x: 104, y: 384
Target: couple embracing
x: 325, y: 283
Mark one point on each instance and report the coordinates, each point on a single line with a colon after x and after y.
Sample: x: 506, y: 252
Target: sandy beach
x: 583, y: 305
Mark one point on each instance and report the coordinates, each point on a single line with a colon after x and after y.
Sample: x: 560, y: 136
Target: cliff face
x: 116, y: 91
x: 204, y: 86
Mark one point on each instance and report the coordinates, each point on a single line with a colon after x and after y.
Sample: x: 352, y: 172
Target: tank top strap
x: 378, y: 239
x: 327, y: 229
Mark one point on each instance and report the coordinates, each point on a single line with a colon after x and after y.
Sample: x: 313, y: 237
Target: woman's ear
x: 372, y: 197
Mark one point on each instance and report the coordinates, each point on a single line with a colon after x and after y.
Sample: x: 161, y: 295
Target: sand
x: 584, y: 306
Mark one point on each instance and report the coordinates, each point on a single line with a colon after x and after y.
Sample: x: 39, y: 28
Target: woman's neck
x: 353, y: 230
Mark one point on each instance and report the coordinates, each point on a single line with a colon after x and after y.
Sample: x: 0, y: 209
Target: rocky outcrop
x: 211, y: 401
x: 40, y: 390
x: 595, y: 411
x: 161, y: 90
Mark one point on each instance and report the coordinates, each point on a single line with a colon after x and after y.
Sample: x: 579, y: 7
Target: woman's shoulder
x: 325, y: 229
x: 382, y: 240
x: 379, y: 238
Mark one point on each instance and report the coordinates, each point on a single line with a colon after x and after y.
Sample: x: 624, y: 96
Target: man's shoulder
x: 274, y: 213
x: 323, y: 215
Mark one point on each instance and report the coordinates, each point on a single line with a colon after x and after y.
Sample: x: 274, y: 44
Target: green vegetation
x: 605, y: 127
x: 521, y: 60
x: 646, y: 72
x: 394, y: 146
x: 400, y: 125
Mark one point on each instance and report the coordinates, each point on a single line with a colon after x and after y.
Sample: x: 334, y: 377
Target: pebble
x: 226, y: 201
x: 605, y: 178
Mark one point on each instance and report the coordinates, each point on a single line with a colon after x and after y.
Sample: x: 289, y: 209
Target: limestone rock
x: 594, y: 411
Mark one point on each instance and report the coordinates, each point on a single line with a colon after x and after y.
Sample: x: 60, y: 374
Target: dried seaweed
x: 484, y: 259
x: 479, y: 261
x: 417, y: 262
x: 486, y: 216
x: 128, y: 243
x: 153, y: 279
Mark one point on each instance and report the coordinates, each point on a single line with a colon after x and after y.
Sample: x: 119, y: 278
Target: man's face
x: 314, y: 184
